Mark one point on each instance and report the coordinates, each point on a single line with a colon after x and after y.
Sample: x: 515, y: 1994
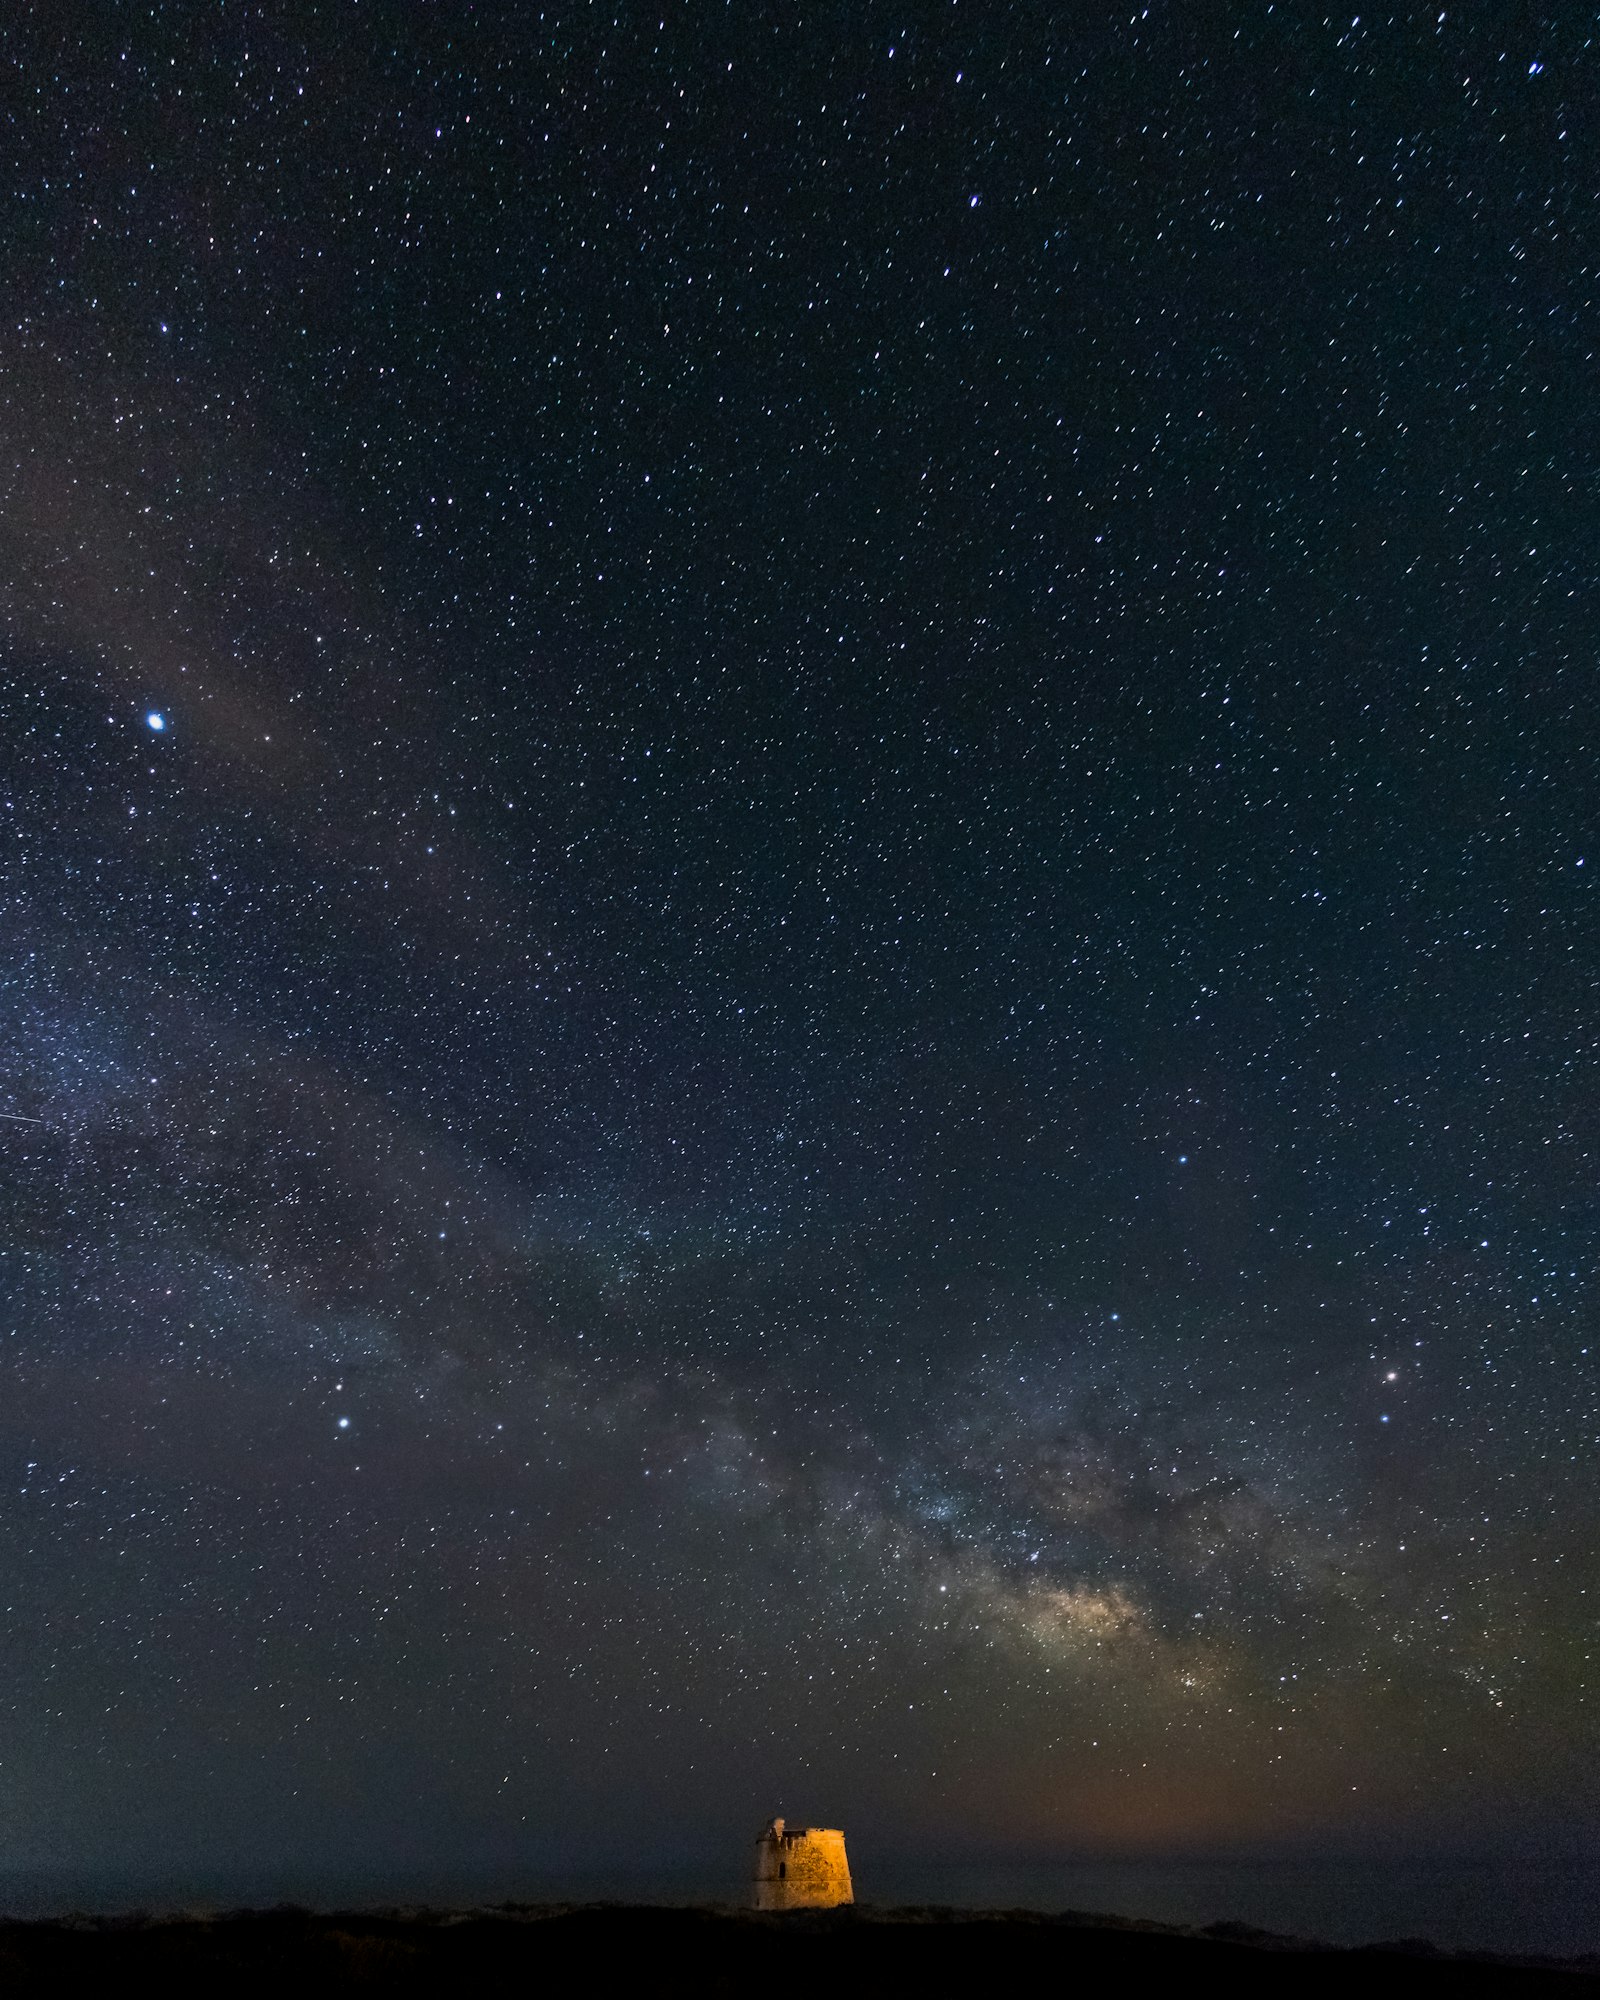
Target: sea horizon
x: 1520, y: 1906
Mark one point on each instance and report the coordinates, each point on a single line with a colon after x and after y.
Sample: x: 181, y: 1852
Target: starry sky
x: 798, y: 1000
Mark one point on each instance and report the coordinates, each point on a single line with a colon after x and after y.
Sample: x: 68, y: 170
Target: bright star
x: 344, y: 1423
x: 155, y: 720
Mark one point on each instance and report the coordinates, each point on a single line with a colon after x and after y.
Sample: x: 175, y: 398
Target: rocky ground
x: 667, y: 1952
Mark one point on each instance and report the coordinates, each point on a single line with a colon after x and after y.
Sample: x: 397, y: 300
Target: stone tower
x: 801, y: 1868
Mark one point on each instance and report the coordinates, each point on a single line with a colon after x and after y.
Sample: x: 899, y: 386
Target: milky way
x: 799, y: 973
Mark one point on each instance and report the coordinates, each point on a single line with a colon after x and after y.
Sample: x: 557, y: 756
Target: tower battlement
x: 800, y: 1868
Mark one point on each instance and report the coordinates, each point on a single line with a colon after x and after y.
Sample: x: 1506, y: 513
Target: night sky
x: 798, y: 987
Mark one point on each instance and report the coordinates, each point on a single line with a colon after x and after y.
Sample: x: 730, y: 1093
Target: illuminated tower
x: 801, y: 1868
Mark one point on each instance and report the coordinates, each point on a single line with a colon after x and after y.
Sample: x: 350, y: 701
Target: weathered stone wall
x: 801, y: 1869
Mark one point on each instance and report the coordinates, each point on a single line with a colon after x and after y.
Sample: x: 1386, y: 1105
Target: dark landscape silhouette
x: 722, y: 1949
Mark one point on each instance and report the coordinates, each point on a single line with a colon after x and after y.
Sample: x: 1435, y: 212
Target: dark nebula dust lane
x: 797, y: 953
